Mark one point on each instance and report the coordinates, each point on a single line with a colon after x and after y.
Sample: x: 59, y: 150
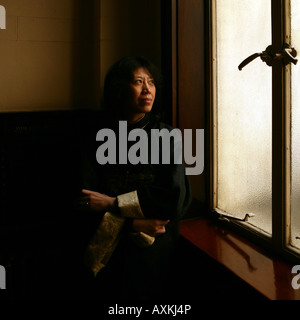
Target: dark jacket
x: 164, y: 194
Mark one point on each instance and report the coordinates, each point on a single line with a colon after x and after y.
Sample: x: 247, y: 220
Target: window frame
x: 279, y: 241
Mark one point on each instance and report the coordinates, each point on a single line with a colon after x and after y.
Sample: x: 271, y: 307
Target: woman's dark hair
x: 118, y: 78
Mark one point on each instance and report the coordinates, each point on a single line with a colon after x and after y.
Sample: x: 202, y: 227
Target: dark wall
x: 184, y: 57
x: 192, y: 81
x: 40, y: 179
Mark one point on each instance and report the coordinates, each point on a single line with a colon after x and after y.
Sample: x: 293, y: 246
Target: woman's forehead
x: 141, y: 71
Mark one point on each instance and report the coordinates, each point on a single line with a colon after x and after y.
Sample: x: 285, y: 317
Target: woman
x: 141, y: 263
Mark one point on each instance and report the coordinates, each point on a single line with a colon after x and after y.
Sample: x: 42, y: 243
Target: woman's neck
x: 135, y: 118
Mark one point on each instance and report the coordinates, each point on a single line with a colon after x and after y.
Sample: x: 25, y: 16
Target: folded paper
x: 109, y: 232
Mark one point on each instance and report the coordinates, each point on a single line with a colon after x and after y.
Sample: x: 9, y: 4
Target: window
x: 295, y: 129
x: 256, y: 117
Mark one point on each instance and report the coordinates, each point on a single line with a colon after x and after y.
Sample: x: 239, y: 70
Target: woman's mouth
x: 146, y: 101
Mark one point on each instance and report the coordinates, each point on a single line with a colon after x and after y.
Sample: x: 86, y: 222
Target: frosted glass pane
x: 244, y: 111
x: 295, y: 205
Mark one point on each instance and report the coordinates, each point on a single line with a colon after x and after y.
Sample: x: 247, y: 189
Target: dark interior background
x: 53, y: 59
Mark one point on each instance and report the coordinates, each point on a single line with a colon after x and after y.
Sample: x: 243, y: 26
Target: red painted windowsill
x: 270, y: 276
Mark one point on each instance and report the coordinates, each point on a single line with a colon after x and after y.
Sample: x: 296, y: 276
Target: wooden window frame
x: 281, y: 137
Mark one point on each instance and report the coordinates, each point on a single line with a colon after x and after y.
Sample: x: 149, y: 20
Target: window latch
x: 228, y: 217
x: 269, y: 56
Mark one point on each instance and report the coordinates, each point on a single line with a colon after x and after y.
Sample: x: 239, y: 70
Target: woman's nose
x: 146, y: 87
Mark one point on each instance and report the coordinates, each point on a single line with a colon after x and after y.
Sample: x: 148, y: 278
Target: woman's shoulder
x: 157, y: 123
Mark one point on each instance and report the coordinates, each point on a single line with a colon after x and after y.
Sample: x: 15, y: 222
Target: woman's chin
x: 146, y: 108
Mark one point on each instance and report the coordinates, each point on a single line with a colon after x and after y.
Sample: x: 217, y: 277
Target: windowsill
x: 268, y: 275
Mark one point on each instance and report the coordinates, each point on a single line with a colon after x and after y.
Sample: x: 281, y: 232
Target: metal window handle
x: 288, y: 55
x: 248, y: 60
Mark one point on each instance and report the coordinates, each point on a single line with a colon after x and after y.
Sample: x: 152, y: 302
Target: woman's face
x: 141, y: 96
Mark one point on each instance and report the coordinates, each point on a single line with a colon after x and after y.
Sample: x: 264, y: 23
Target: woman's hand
x: 97, y: 202
x: 153, y: 228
